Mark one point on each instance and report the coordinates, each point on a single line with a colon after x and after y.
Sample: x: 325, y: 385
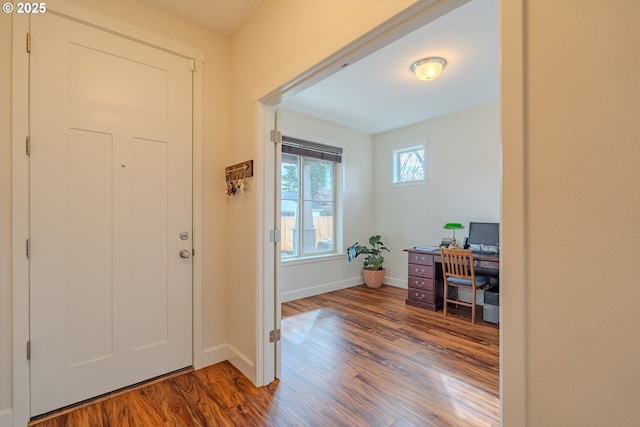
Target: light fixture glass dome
x: 428, y: 68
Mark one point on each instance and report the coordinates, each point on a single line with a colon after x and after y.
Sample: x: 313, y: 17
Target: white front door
x: 110, y: 212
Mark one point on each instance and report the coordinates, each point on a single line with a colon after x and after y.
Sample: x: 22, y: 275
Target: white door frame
x: 20, y: 184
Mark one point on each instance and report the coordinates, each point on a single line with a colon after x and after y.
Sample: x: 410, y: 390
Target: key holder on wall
x: 236, y: 177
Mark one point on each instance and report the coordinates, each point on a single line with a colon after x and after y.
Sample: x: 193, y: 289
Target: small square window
x: 409, y: 164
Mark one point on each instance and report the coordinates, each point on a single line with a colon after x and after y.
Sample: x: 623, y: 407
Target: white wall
x: 299, y: 279
x: 463, y: 185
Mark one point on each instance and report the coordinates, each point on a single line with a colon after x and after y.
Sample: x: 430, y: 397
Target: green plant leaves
x: 374, y: 259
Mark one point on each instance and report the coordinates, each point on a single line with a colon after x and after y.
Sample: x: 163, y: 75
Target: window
x: 308, y: 198
x: 409, y: 164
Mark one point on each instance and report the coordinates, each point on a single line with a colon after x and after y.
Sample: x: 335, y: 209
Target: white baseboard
x: 334, y: 286
x: 213, y: 355
x: 220, y: 353
x: 395, y: 282
x: 320, y: 289
x: 6, y: 418
x: 243, y: 363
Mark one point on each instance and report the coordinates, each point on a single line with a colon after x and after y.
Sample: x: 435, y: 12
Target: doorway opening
x: 268, y: 107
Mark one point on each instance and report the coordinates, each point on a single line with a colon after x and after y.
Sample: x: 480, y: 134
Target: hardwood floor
x: 355, y: 357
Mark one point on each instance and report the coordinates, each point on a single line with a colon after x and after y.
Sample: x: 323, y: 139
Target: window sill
x: 311, y: 259
x: 408, y: 183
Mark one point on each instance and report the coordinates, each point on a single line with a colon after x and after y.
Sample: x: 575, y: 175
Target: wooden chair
x: 458, y: 271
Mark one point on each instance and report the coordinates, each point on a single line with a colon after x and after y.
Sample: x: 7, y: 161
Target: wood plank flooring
x: 354, y: 357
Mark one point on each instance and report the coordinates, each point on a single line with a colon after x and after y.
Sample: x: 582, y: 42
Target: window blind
x: 315, y: 150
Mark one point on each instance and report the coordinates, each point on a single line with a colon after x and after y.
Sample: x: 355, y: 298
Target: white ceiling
x: 379, y: 93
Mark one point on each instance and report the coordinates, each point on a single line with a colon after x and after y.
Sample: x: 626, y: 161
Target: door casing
x: 20, y: 185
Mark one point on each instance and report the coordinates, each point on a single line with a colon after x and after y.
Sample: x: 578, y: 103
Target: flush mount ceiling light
x: 428, y: 68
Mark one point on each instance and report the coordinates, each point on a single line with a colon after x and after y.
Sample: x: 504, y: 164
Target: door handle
x: 185, y: 253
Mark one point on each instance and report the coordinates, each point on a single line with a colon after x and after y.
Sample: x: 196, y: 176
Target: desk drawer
x: 421, y: 296
x: 492, y: 265
x: 421, y: 283
x: 420, y: 258
x: 421, y: 270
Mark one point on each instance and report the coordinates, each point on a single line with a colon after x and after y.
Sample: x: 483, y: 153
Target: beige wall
x: 582, y: 208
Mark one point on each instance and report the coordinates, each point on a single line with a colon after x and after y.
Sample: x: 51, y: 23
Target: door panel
x: 90, y: 187
x: 110, y: 193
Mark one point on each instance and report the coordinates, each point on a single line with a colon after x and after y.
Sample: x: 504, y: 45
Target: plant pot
x: 373, y: 278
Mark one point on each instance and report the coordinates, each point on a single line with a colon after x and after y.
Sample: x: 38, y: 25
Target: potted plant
x: 372, y: 270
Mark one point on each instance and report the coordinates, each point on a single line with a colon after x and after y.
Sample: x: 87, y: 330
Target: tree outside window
x: 409, y: 164
x: 307, y: 206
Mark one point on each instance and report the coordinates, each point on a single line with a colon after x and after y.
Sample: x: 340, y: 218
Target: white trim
x: 6, y: 418
x: 321, y: 289
x: 213, y: 355
x: 396, y: 282
x: 220, y: 353
x: 513, y: 254
x: 242, y: 362
x: 263, y: 250
x: 265, y: 362
x: 20, y: 185
x: 197, y: 217
x: 335, y: 286
x: 122, y: 29
x: 290, y: 262
x: 396, y: 151
x: 20, y: 219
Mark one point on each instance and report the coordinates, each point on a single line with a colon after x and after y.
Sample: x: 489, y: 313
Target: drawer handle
x: 419, y: 284
x: 419, y: 271
x: 419, y: 296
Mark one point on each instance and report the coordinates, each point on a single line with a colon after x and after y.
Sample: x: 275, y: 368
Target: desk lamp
x: 453, y: 226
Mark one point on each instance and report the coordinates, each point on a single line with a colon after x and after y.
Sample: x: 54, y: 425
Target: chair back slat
x: 458, y: 263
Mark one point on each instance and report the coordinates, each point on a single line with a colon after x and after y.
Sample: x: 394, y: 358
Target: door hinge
x: 28, y: 248
x: 28, y: 42
x: 274, y: 335
x: 29, y: 350
x: 28, y: 146
x: 276, y: 136
x: 274, y: 236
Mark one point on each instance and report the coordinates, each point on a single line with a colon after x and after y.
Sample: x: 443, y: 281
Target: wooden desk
x: 425, y: 276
